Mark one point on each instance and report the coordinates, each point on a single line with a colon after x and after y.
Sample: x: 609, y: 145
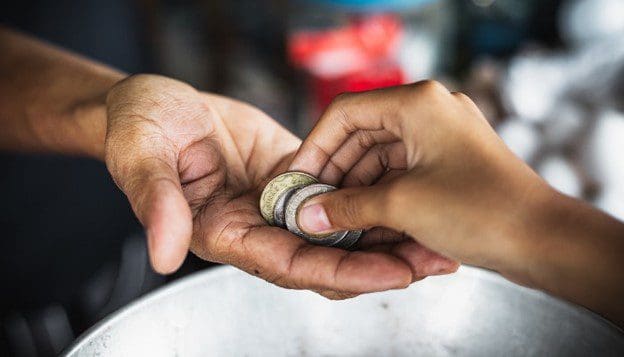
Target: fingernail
x: 313, y: 219
x: 445, y: 266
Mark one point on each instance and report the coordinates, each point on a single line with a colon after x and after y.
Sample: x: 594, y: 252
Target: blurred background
x: 548, y: 74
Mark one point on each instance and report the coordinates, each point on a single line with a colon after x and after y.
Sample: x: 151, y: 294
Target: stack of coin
x: 285, y: 195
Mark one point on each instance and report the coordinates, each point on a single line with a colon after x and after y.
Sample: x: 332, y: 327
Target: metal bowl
x: 225, y: 312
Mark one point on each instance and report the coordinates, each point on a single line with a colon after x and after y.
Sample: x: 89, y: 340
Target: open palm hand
x: 193, y: 166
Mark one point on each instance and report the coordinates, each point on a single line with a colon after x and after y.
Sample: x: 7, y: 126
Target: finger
x: 352, y: 151
x: 345, y: 209
x: 381, y: 109
x: 348, y: 113
x: 278, y: 256
x: 310, y: 266
x: 375, y: 163
x: 423, y: 262
x: 468, y: 103
x: 202, y: 172
x: 336, y: 295
x: 154, y: 191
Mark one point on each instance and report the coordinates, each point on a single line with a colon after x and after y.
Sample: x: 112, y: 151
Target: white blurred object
x: 604, y: 149
x: 521, y: 136
x: 596, y: 72
x: 583, y: 22
x: 611, y: 200
x: 564, y: 124
x: 534, y: 84
x: 418, y: 54
x: 561, y: 175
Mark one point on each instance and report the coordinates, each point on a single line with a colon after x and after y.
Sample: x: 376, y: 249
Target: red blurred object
x: 325, y: 89
x: 356, y: 57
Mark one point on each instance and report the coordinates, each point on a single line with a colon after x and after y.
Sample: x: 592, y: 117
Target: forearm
x: 51, y: 100
x: 576, y: 252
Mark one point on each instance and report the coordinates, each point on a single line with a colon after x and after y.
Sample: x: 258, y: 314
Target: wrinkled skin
x: 193, y: 165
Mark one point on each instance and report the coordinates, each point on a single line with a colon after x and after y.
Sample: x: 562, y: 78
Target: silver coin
x: 349, y: 240
x: 295, y: 202
x: 278, y: 185
x: 279, y: 212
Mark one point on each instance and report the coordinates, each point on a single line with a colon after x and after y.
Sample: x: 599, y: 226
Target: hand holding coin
x: 285, y: 194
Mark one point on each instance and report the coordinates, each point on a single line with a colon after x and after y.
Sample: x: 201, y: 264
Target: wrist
x: 79, y: 128
x: 529, y: 235
x: 520, y: 240
x: 90, y: 120
x: 563, y: 242
x: 575, y: 251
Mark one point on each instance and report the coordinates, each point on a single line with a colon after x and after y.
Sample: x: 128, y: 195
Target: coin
x: 349, y: 240
x: 341, y: 239
x: 276, y: 187
x: 279, y: 212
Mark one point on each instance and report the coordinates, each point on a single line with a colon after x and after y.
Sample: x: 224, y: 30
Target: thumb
x: 154, y: 191
x: 345, y: 209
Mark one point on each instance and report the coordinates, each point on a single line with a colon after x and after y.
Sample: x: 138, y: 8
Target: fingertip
x: 312, y: 218
x: 163, y: 259
x: 309, y: 159
x: 424, y: 262
x: 451, y: 267
x: 442, y: 265
x: 401, y: 279
x: 169, y: 229
x: 167, y: 249
x: 383, y: 272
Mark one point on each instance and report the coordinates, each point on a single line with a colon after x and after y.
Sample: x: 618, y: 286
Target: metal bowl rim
x: 215, y: 273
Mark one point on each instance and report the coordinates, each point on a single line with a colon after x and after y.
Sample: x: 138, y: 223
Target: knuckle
x: 287, y: 274
x: 338, y: 102
x: 462, y: 97
x: 365, y: 139
x: 381, y: 152
x: 281, y: 274
x: 428, y: 87
x: 433, y: 85
x: 343, y: 97
x: 350, y: 212
x: 279, y: 277
x: 338, y: 110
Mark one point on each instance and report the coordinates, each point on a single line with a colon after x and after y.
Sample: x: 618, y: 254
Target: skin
x: 459, y: 191
x: 192, y: 165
